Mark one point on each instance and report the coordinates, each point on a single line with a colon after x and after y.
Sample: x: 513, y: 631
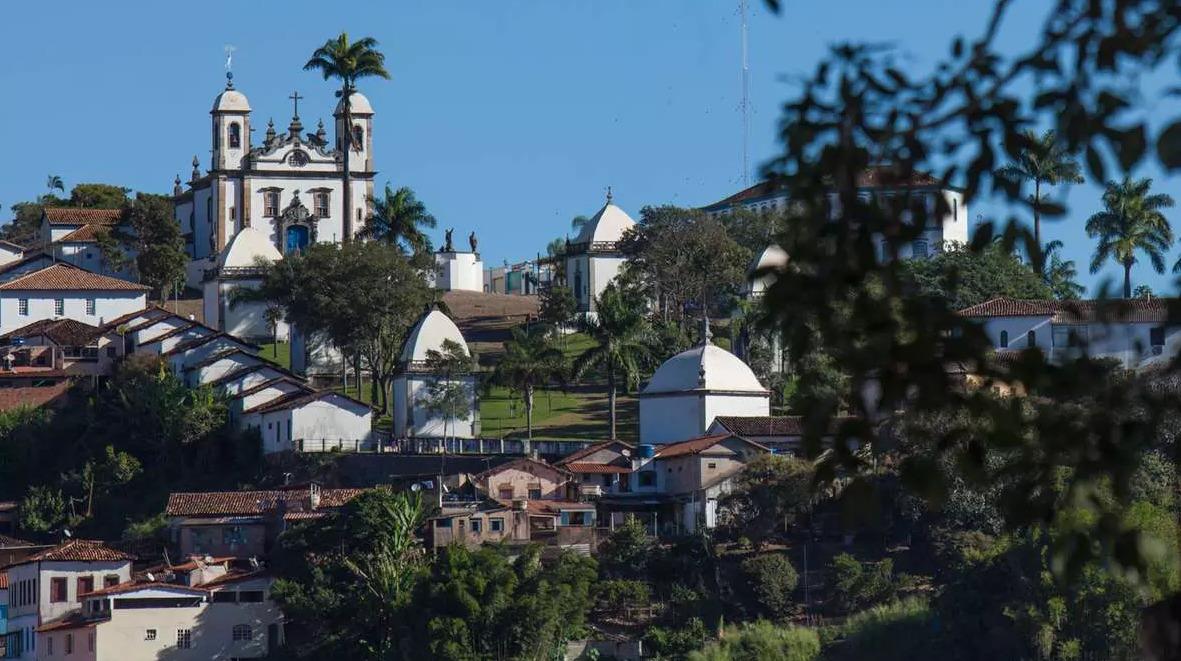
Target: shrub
x: 857, y: 585
x: 896, y: 631
x: 771, y: 580
x: 762, y: 640
x: 619, y: 594
x: 668, y: 643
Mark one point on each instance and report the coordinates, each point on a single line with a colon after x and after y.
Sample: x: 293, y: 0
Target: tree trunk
x: 1037, y: 221
x: 529, y: 412
x: 347, y: 197
x: 611, y: 399
x: 1127, y: 280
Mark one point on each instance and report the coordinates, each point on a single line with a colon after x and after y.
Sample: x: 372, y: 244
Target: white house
x: 878, y: 182
x: 593, y: 259
x: 695, y: 386
x: 290, y: 187
x: 1135, y: 332
x: 315, y: 421
x: 64, y: 291
x: 48, y: 585
x: 412, y: 417
x: 240, y: 266
x: 71, y: 235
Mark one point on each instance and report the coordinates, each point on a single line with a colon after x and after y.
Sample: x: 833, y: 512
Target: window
x: 59, y: 307
x: 270, y: 203
x: 49, y: 645
x: 150, y: 634
x: 23, y: 307
x: 955, y: 209
x: 225, y: 597
x: 713, y: 465
x: 920, y: 249
x: 1156, y: 336
x: 321, y: 204
x: 647, y: 478
x: 184, y: 638
x: 297, y: 159
x: 505, y: 493
x: 241, y: 632
x: 1004, y: 339
x: 577, y: 518
x: 57, y: 590
x: 534, y: 494
x: 90, y: 306
x: 443, y: 523
x: 477, y: 525
x: 586, y: 478
x: 85, y: 584
x: 358, y: 137
x: 69, y: 643
x: 235, y: 135
x: 1031, y: 339
x: 496, y: 525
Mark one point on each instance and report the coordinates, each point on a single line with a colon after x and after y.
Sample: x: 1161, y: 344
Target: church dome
x: 772, y: 258
x: 360, y: 105
x: 429, y: 333
x: 248, y: 244
x: 231, y: 100
x: 704, y: 368
x: 607, y: 225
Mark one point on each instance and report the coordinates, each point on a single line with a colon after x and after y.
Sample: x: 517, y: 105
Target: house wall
x: 740, y: 405
x: 514, y: 528
x: 332, y: 418
x: 551, y: 483
x: 1129, y: 343
x: 241, y: 539
x: 667, y: 419
x: 107, y: 305
x: 83, y: 644
x: 245, y: 320
x: 461, y: 271
x: 412, y: 419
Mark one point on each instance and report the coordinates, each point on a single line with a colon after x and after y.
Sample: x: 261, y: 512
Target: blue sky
x: 508, y: 117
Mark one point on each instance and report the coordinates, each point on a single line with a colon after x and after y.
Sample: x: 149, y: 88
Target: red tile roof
x: 153, y: 312
x: 35, y: 397
x: 86, y: 234
x: 519, y: 463
x: 62, y: 276
x: 595, y: 469
x: 79, y: 550
x: 3, y: 580
x: 63, y: 332
x: 696, y: 446
x: 879, y: 176
x: 1142, y: 310
x: 250, y: 503
x: 589, y: 450
x: 768, y: 425
x: 270, y: 382
x: 75, y: 620
x: 78, y: 216
x: 186, y: 326
x: 135, y: 586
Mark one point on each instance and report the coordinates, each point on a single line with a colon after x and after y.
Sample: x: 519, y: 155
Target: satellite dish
x: 150, y: 577
x: 416, y: 487
x: 66, y: 533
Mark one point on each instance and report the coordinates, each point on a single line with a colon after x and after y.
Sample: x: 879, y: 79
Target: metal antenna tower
x: 745, y: 100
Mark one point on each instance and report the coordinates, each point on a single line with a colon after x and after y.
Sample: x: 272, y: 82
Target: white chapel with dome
x: 289, y: 187
x: 593, y: 259
x: 695, y: 386
x: 412, y: 416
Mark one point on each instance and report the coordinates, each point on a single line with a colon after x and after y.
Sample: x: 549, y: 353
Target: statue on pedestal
x: 447, y: 247
x: 471, y: 239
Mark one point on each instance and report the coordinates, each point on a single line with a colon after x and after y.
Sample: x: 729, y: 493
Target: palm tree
x: 348, y: 62
x: 1131, y: 221
x: 530, y: 359
x: 54, y: 182
x: 622, y: 343
x: 577, y: 223
x: 1060, y: 274
x: 398, y: 217
x: 1044, y: 161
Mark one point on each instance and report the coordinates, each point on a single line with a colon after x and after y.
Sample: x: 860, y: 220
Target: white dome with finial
x: 429, y: 333
x: 359, y: 106
x: 705, y: 367
x: 608, y: 225
x: 762, y: 272
x: 230, y: 99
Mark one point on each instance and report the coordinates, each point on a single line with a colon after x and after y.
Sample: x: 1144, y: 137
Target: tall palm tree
x: 54, y: 182
x: 348, y: 62
x: 397, y: 218
x: 1060, y: 274
x: 530, y: 360
x: 1131, y: 221
x: 577, y: 223
x: 1045, y: 162
x: 622, y: 343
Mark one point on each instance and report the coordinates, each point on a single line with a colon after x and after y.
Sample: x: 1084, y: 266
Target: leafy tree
x: 530, y: 360
x: 42, y: 510
x: 556, y: 247
x: 398, y: 219
x: 1131, y: 222
x: 622, y: 338
x: 771, y: 579
x: 676, y: 643
x: 965, y: 277
x: 114, y: 259
x: 615, y: 595
x: 762, y: 640
x: 1061, y: 274
x: 558, y: 306
x: 54, y: 182
x: 1045, y: 161
x: 626, y: 552
x: 100, y: 476
x: 160, y: 251
x: 577, y: 223
x: 25, y: 227
x: 857, y: 585
x: 348, y: 62
x: 768, y: 496
x: 444, y: 396
x: 1142, y: 291
x: 99, y: 196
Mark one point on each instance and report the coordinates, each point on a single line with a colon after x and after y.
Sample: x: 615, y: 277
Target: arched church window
x: 235, y: 135
x: 358, y: 137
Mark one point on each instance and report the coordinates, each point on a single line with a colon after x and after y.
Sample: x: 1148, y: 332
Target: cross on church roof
x: 296, y: 97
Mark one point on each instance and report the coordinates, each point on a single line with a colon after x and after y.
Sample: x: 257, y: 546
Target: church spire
x: 610, y: 197
x: 196, y: 168
x: 296, y: 126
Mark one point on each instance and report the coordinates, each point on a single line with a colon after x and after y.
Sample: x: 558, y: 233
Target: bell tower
x: 231, y: 128
x: 361, y: 149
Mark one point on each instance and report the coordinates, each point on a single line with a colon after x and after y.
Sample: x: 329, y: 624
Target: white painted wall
x: 41, y: 304
x: 459, y: 271
x: 412, y: 419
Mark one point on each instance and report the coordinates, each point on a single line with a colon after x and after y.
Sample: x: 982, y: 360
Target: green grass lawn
x: 279, y: 353
x: 576, y: 414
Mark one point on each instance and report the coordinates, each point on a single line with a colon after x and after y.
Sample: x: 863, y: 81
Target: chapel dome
x: 247, y: 245
x: 773, y: 258
x: 360, y: 105
x: 231, y: 100
x: 705, y: 367
x: 607, y: 225
x: 429, y: 333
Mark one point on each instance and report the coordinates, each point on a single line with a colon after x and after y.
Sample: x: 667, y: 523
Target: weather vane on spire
x: 230, y: 48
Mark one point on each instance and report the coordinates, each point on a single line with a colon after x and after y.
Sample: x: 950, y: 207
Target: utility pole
x: 745, y: 106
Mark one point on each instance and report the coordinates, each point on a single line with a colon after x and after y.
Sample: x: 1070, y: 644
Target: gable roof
x: 1135, y: 310
x: 875, y: 176
x: 295, y: 399
x: 79, y: 216
x: 213, y: 358
x: 186, y: 326
x: 196, y: 342
x: 698, y: 445
x: 10, y: 244
x: 78, y: 550
x: 145, y: 312
x: 589, y: 450
x: 768, y: 425
x: 249, y: 503
x: 519, y: 463
x: 63, y: 332
x: 597, y: 469
x: 88, y: 233
x: 135, y: 586
x: 270, y: 382
x: 62, y: 276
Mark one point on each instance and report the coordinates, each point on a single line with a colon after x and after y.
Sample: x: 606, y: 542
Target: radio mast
x: 745, y: 106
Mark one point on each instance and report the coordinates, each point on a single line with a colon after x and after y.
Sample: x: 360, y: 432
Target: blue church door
x: 297, y: 239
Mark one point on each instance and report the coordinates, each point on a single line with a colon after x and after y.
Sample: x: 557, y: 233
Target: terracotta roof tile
x: 873, y: 177
x: 63, y: 276
x: 63, y: 332
x: 35, y: 397
x: 3, y: 580
x: 768, y: 425
x: 1142, y: 310
x: 589, y: 450
x: 79, y: 216
x: 133, y: 586
x: 74, y: 620
x: 79, y: 550
x: 88, y: 233
x: 696, y: 446
x: 151, y: 311
x: 251, y: 503
x: 520, y: 462
x: 595, y: 469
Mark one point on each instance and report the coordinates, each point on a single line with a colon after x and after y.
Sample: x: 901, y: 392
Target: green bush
x: 857, y: 585
x: 669, y: 643
x: 771, y: 579
x: 896, y: 631
x: 618, y: 594
x: 762, y: 640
